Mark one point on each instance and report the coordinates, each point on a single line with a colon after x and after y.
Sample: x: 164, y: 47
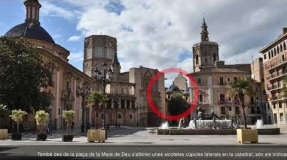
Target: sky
x: 157, y: 34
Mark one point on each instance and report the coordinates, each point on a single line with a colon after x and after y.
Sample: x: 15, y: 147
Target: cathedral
x: 127, y: 104
x: 214, y: 79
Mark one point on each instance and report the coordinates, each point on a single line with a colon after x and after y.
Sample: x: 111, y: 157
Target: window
x: 198, y: 80
x: 235, y: 79
x: 221, y: 81
x: 196, y: 59
x: 122, y: 103
x: 275, y: 118
x: 131, y: 116
x: 284, y: 46
x: 281, y: 49
x: 237, y: 110
x: 222, y: 111
x: 205, y: 60
x: 228, y: 79
x: 102, y: 116
x: 269, y: 55
x: 258, y: 110
x: 283, y: 57
x: 281, y: 118
x: 200, y: 98
x: 214, y: 58
x: 222, y: 96
x: 280, y: 105
x: 59, y: 111
x: 252, y: 100
x: 265, y: 56
x: 252, y: 110
x: 119, y: 116
x: 230, y: 109
x: 274, y: 106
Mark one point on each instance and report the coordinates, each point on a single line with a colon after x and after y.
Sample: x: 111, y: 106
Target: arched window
x: 214, y: 58
x: 278, y: 50
x: 196, y: 59
x: 274, y: 52
x: 284, y: 46
x: 281, y: 49
x: 271, y: 53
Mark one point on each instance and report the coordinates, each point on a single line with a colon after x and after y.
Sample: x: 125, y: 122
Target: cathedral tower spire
x: 204, y: 32
x: 32, y: 11
x: 116, y: 64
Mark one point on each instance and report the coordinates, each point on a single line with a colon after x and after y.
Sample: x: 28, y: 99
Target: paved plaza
x: 142, y: 136
x: 135, y: 142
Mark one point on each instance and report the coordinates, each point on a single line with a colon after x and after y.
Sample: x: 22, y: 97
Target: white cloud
x: 74, y: 38
x: 50, y: 9
x: 154, y: 33
x: 76, y: 57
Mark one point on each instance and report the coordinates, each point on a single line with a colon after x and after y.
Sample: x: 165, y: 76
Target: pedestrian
x: 88, y: 126
x: 49, y: 129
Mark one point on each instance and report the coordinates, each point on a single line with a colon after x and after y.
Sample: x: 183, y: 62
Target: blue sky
x: 154, y: 33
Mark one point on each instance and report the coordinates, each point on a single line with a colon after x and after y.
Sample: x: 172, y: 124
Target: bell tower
x: 205, y: 53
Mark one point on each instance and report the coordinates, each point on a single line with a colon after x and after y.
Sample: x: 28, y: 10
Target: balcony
x: 222, y: 102
x: 274, y: 88
x: 275, y: 65
x: 277, y: 98
x: 275, y: 76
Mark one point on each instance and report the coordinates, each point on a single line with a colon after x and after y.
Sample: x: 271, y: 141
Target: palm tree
x: 69, y: 116
x: 17, y: 116
x: 96, y: 99
x: 239, y: 89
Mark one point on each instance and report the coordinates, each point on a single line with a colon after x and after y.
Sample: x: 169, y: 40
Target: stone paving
x: 141, y: 136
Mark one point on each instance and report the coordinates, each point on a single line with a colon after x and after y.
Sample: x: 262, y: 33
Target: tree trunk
x: 18, y: 126
x: 69, y: 128
x: 243, y: 110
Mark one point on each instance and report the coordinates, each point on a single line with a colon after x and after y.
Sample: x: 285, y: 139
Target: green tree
x: 177, y: 104
x: 23, y: 73
x: 41, y: 118
x: 17, y: 116
x: 239, y: 89
x: 96, y: 99
x: 3, y: 111
x: 69, y: 116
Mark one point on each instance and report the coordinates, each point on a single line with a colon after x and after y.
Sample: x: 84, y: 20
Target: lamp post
x: 103, y: 76
x: 83, y: 92
x: 137, y: 114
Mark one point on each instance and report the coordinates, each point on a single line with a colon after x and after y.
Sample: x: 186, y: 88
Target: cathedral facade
x: 127, y: 103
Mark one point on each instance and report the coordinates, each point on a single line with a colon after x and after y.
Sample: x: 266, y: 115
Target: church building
x: 127, y: 89
x: 214, y: 79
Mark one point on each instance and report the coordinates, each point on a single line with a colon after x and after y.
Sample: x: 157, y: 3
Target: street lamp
x: 103, y: 76
x: 83, y: 92
x: 137, y: 114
